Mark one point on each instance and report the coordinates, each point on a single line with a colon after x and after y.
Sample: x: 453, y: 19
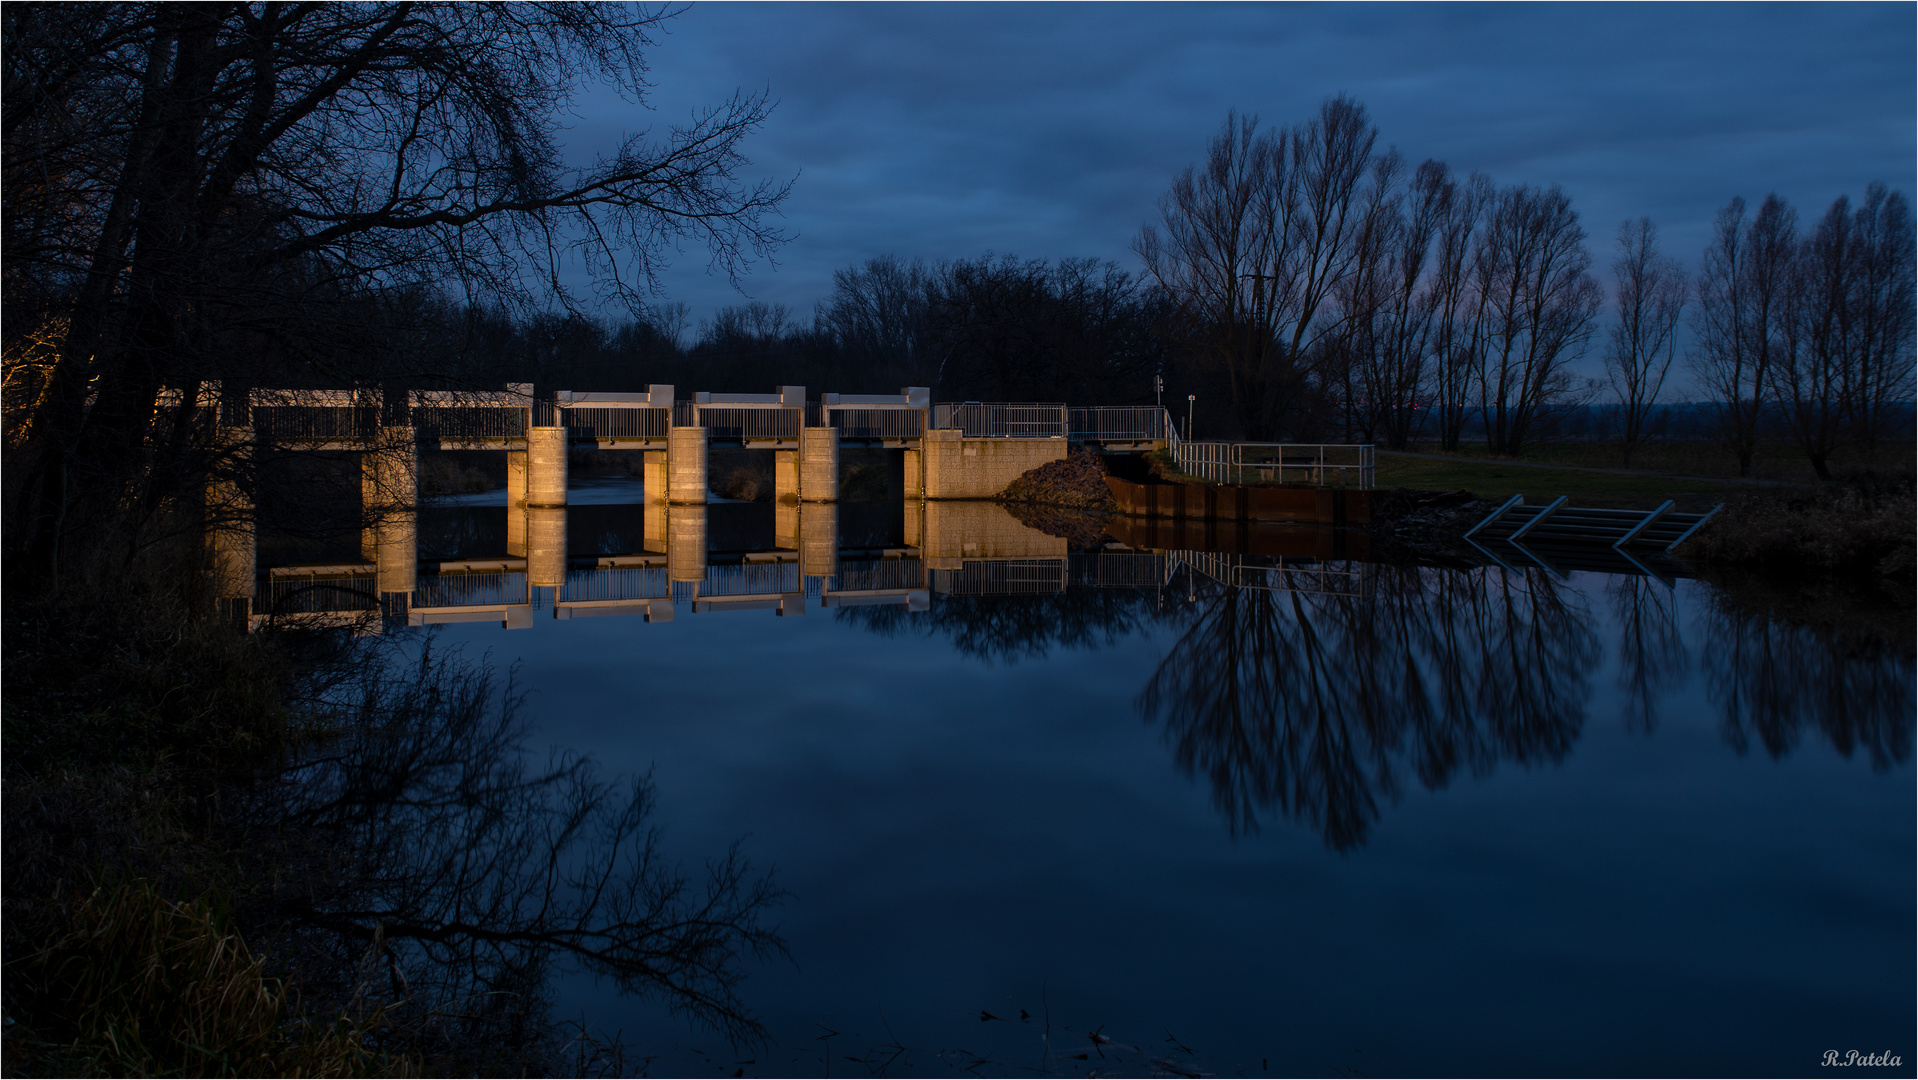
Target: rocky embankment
x: 1066, y: 498
x: 1427, y: 525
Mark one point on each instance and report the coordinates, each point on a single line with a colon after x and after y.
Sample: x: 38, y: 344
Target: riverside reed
x: 129, y: 710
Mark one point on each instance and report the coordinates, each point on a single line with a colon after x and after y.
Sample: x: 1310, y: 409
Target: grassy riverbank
x: 1497, y: 480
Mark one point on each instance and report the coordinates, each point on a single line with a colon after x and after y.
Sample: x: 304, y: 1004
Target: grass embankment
x: 1774, y: 461
x: 1496, y: 480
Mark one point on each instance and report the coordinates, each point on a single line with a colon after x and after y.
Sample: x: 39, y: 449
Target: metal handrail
x: 469, y: 422
x: 858, y: 423
x: 1323, y: 464
x: 618, y: 423
x: 724, y: 423
x: 1118, y: 423
x: 1002, y: 420
x: 877, y: 575
x: 301, y: 423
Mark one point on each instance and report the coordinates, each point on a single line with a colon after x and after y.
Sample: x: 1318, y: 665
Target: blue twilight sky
x: 1049, y: 130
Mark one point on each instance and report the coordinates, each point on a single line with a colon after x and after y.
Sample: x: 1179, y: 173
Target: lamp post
x: 1189, y: 399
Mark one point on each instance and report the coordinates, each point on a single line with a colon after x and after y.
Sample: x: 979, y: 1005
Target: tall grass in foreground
x: 135, y: 984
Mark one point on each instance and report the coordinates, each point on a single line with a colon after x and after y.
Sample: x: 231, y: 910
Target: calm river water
x: 1345, y: 819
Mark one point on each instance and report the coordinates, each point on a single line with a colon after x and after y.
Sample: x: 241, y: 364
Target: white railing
x: 1000, y: 420
x: 1323, y: 464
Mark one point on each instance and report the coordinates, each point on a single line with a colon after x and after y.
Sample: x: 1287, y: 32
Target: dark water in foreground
x: 1430, y: 822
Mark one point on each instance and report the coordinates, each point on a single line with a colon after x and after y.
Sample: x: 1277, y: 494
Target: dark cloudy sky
x: 1049, y: 130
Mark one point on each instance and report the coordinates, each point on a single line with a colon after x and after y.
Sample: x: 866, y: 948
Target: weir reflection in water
x: 970, y: 776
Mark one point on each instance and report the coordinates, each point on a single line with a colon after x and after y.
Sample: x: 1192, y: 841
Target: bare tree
x: 1651, y: 292
x: 878, y: 315
x: 1256, y: 245
x: 1817, y: 373
x: 1538, y: 304
x: 1362, y: 357
x: 1882, y: 301
x: 1221, y: 226
x: 1455, y: 309
x: 1738, y: 326
x: 198, y: 181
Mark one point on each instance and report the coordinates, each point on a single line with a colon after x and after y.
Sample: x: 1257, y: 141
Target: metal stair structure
x: 1561, y: 538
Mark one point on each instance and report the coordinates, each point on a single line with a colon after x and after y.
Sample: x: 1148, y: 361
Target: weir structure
x: 950, y: 452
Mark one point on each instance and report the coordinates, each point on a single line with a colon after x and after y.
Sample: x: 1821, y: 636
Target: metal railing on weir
x: 1001, y: 420
x: 1118, y: 423
x: 1323, y: 464
x: 877, y: 423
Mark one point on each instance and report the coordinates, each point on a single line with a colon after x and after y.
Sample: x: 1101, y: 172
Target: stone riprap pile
x: 1077, y: 481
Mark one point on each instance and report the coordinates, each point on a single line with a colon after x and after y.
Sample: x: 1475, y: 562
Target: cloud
x: 940, y: 131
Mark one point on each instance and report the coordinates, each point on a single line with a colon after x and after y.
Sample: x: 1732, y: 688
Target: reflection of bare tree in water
x: 1313, y: 706
x: 424, y: 841
x: 1773, y: 677
x: 1652, y: 653
x: 1014, y: 627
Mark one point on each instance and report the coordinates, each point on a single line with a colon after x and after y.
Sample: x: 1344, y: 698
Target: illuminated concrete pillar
x: 546, y: 466
x: 915, y: 524
x: 390, y: 470
x: 230, y: 521
x: 656, y: 525
x: 654, y: 473
x: 786, y: 525
x: 786, y: 475
x: 686, y: 458
x: 515, y: 477
x: 516, y: 480
x: 686, y: 549
x: 396, y: 550
x: 546, y: 546
x: 915, y: 475
x: 819, y: 464
x: 819, y: 541
x: 516, y: 529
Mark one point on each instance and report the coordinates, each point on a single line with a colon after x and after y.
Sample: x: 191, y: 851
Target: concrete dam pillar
x: 389, y: 492
x: 819, y: 541
x: 656, y: 517
x: 786, y: 526
x: 396, y: 551
x: 653, y: 473
x: 516, y: 529
x: 390, y: 470
x: 818, y: 464
x: 786, y: 474
x: 915, y: 474
x: 546, y: 546
x: 686, y: 546
x: 545, y: 466
x: 516, y: 475
x: 686, y: 458
x: 230, y: 521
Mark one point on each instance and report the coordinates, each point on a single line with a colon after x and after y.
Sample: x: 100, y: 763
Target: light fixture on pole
x: 1189, y: 399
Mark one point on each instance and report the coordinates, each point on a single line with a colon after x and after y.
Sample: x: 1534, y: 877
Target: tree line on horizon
x: 1305, y: 284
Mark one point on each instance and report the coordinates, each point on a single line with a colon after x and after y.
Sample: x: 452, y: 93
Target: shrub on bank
x: 1859, y: 527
